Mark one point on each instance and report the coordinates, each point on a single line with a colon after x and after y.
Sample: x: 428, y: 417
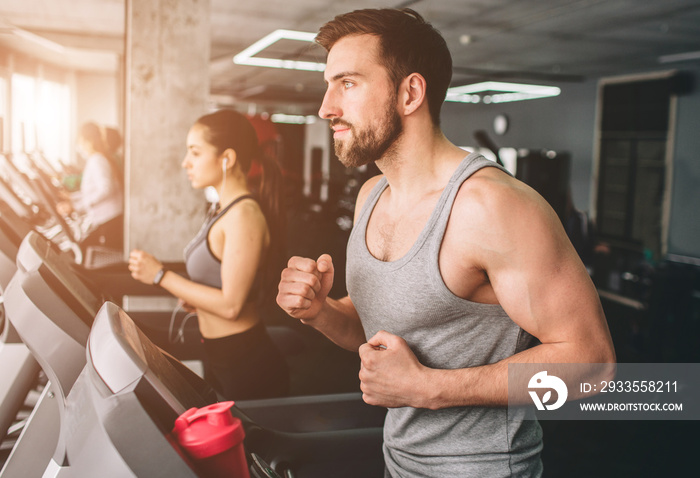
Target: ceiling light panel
x: 247, y: 56
x: 499, y: 92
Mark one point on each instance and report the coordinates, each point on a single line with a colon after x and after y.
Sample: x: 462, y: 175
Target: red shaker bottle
x: 213, y: 438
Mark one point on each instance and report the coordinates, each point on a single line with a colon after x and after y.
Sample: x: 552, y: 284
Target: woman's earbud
x: 223, y: 165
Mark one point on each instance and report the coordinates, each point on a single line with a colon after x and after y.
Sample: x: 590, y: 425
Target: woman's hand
x: 64, y: 208
x: 143, y: 266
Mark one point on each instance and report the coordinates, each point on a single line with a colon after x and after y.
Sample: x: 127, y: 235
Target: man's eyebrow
x: 343, y: 74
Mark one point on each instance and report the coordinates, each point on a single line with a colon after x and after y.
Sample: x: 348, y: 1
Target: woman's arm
x: 239, y: 236
x: 144, y: 267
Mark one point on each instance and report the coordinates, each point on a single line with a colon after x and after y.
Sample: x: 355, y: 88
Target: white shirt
x: 101, y: 194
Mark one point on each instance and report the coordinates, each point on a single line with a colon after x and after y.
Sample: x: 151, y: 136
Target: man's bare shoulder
x: 495, y: 192
x: 496, y: 209
x: 369, y: 184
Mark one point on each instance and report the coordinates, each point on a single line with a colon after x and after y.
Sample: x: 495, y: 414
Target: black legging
x: 246, y: 365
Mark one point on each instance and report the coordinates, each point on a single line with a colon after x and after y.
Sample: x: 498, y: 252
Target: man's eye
x: 347, y: 84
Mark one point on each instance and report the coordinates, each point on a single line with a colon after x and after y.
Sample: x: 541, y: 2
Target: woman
x: 101, y: 196
x: 229, y: 260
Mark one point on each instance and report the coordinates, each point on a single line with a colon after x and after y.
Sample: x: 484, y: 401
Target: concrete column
x: 167, y: 86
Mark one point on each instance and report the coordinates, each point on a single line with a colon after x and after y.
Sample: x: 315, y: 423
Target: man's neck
x: 420, y: 163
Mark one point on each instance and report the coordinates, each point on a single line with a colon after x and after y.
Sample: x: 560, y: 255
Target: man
x: 454, y: 268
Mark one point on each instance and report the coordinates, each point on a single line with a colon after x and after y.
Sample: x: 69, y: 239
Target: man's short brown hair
x: 408, y: 44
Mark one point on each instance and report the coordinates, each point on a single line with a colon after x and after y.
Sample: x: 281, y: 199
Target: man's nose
x: 329, y: 108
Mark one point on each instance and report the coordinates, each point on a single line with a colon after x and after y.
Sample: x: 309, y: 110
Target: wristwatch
x: 159, y: 276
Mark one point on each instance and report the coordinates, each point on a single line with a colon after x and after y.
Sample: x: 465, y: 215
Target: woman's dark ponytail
x: 270, y: 189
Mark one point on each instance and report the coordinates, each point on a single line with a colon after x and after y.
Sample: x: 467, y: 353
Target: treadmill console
x: 37, y: 255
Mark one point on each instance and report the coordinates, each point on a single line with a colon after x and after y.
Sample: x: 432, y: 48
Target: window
x: 633, y: 141
x: 53, y: 121
x: 40, y: 118
x: 23, y: 90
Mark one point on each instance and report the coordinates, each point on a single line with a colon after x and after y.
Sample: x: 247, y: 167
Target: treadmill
x: 46, y: 294
x: 52, y: 312
x: 15, y: 225
x: 8, y: 254
x: 19, y: 368
x: 123, y: 406
x: 49, y: 310
x: 38, y: 194
x: 9, y: 246
x: 13, y: 202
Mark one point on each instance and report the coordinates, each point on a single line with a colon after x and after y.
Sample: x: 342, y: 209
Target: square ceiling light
x: 247, y: 56
x: 499, y: 92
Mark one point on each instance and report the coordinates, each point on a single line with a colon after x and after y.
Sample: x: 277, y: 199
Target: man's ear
x: 412, y: 93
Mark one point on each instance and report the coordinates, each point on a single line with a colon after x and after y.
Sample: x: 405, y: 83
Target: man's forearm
x: 487, y: 385
x: 338, y: 320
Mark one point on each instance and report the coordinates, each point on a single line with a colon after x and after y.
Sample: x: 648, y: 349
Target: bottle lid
x: 208, y: 431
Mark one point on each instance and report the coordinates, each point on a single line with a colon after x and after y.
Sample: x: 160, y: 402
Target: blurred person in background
x: 101, y: 196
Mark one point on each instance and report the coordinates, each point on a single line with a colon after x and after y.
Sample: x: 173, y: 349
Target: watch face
x: 500, y: 124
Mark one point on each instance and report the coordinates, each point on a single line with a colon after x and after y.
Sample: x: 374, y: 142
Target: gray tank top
x: 408, y: 298
x: 201, y: 264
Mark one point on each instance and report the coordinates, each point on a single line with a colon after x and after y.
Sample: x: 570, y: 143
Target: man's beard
x: 370, y: 144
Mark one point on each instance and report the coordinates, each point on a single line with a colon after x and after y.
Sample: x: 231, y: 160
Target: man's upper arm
x: 536, y: 274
